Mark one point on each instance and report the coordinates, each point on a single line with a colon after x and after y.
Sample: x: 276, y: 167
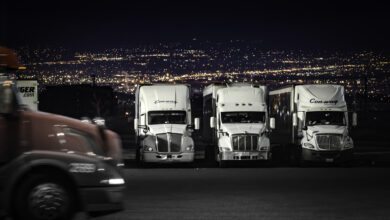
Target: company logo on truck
x: 27, y: 91
x: 165, y: 101
x: 313, y: 100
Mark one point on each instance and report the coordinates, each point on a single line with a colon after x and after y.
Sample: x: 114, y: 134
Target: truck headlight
x: 263, y: 143
x: 190, y: 148
x: 347, y: 142
x: 308, y: 136
x: 225, y: 149
x: 113, y: 181
x: 148, y: 148
x: 187, y: 143
x: 149, y: 143
x: 263, y: 148
x: 308, y: 146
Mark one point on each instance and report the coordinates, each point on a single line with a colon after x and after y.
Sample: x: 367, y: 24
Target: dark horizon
x: 90, y: 25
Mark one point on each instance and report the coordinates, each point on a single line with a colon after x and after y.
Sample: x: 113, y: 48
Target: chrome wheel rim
x: 47, y: 201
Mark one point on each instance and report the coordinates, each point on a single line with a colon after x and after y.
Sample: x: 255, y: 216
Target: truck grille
x: 245, y: 142
x: 168, y: 142
x: 329, y: 141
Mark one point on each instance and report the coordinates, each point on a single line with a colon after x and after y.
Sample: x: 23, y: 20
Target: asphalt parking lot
x: 256, y: 193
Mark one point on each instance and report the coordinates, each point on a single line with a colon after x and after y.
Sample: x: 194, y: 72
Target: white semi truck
x: 163, y: 124
x: 236, y: 123
x: 312, y: 123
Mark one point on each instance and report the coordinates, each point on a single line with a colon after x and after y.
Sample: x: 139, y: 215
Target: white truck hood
x: 327, y: 129
x: 241, y: 128
x: 168, y: 128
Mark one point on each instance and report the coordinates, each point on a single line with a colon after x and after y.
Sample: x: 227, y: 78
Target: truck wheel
x: 44, y: 197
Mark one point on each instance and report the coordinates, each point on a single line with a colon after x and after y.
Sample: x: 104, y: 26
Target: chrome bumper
x: 242, y: 155
x: 153, y: 157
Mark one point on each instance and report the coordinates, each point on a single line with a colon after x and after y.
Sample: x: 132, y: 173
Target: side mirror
x: 135, y: 123
x: 272, y: 123
x: 212, y: 122
x: 354, y: 119
x: 197, y: 123
x: 294, y: 119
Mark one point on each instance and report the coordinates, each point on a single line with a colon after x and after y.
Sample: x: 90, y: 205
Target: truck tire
x: 44, y: 197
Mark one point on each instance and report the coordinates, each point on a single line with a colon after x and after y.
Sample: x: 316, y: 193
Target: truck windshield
x: 325, y: 118
x: 243, y: 117
x: 167, y: 117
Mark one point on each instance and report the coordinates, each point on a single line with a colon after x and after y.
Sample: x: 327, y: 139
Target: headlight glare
x: 114, y: 181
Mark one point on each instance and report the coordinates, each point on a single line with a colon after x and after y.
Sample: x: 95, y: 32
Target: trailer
x: 163, y: 124
x: 28, y: 91
x: 236, y: 123
x: 312, y: 123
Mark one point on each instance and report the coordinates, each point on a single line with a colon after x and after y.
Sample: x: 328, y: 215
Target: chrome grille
x: 175, y: 142
x: 245, y: 142
x: 329, y: 141
x: 169, y: 142
x: 162, y: 143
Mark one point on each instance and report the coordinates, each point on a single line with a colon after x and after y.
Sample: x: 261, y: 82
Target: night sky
x: 107, y: 24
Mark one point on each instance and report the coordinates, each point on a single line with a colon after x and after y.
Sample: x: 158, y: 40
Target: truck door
x: 9, y: 124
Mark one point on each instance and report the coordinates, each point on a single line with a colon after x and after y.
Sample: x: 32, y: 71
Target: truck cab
x: 314, y: 123
x: 53, y: 166
x: 323, y: 125
x: 163, y: 124
x: 239, y: 122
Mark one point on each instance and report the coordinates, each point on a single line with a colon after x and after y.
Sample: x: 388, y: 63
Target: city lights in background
x: 235, y: 62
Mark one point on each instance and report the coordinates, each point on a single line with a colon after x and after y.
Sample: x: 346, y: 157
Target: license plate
x: 329, y: 160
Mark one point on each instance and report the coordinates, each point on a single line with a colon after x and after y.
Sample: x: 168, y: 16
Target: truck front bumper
x: 153, y: 157
x: 102, y: 199
x: 245, y: 155
x: 327, y: 156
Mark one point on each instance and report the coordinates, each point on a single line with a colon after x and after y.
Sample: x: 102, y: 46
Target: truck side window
x: 78, y: 140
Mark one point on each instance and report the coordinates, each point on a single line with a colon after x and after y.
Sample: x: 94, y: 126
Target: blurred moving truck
x: 163, y: 124
x: 312, y: 123
x: 236, y: 123
x: 53, y: 166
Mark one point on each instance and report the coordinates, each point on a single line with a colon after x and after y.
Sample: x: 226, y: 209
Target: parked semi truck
x: 53, y: 166
x: 236, y: 123
x: 312, y: 123
x: 163, y: 124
